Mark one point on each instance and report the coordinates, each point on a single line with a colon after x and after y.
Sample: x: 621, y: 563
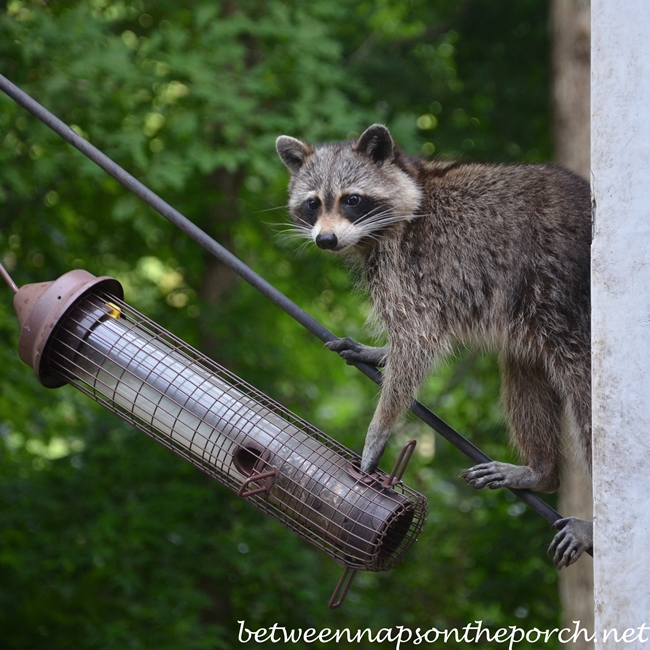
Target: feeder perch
x: 78, y: 330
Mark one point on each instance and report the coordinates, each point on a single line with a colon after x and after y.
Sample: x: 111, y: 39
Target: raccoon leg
x: 576, y: 381
x: 353, y: 352
x: 533, y: 409
x: 575, y: 536
x: 406, y: 366
x: 390, y: 406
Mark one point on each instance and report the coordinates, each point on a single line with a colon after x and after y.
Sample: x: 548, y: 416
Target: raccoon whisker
x: 375, y: 236
x: 385, y: 217
x: 279, y: 207
x: 285, y: 225
x: 299, y: 233
x: 291, y: 231
x: 300, y: 225
x: 374, y: 214
x: 382, y: 220
x: 374, y: 224
x: 276, y: 224
x: 301, y: 249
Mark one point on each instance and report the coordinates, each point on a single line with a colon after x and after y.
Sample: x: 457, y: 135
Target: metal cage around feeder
x: 78, y: 330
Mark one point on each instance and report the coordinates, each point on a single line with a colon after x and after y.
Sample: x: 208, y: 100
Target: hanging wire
x: 263, y: 286
x: 7, y: 278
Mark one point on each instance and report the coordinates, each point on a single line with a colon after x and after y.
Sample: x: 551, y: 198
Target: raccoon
x: 496, y: 256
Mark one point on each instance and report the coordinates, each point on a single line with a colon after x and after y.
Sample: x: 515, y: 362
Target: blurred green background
x: 109, y: 541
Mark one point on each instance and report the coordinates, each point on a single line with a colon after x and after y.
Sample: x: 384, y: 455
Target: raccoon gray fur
x: 491, y: 255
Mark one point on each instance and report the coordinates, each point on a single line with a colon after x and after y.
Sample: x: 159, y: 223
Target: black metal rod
x: 245, y: 272
x: 7, y: 278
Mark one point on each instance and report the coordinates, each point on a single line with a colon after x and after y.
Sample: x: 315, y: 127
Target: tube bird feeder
x: 77, y: 330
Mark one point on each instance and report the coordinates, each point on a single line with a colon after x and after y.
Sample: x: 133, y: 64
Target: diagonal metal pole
x: 245, y: 272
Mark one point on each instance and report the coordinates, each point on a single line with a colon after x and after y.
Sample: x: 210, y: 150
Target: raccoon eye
x: 312, y: 204
x: 353, y: 200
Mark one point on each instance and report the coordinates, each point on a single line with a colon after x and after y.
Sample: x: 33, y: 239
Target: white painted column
x: 620, y: 163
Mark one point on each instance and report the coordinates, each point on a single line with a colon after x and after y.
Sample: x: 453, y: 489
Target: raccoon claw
x: 354, y: 352
x: 574, y: 537
x: 495, y: 475
x: 485, y: 475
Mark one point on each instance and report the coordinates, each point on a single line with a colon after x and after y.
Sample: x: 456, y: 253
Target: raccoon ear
x: 376, y: 142
x: 292, y: 152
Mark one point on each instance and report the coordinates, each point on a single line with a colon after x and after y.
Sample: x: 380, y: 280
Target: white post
x: 620, y: 161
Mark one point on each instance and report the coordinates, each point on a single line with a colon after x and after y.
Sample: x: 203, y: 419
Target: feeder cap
x: 41, y: 306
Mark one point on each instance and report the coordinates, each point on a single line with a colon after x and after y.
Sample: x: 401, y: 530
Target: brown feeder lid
x: 41, y: 306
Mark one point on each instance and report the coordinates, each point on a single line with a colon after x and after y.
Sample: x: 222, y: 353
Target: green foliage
x: 108, y: 541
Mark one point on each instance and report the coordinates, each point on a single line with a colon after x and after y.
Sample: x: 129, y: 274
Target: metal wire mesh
x: 204, y: 413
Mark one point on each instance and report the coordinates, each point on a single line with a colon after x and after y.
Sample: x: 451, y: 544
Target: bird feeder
x: 77, y: 330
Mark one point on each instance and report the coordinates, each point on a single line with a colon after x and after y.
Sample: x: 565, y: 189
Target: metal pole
x: 620, y: 157
x: 8, y: 279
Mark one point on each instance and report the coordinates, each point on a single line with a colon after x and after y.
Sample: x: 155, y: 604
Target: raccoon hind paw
x: 574, y: 537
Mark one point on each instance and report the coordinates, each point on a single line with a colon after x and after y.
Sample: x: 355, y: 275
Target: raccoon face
x: 345, y: 193
x: 338, y: 221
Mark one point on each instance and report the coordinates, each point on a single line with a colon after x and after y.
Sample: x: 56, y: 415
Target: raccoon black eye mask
x: 484, y: 255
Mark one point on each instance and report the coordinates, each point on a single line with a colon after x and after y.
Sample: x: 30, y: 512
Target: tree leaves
x: 117, y: 543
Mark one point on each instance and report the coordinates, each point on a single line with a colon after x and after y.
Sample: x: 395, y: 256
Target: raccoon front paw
x: 495, y: 475
x: 575, y: 536
x: 354, y: 352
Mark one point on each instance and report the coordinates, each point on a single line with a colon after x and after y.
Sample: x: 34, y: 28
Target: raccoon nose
x: 328, y: 241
